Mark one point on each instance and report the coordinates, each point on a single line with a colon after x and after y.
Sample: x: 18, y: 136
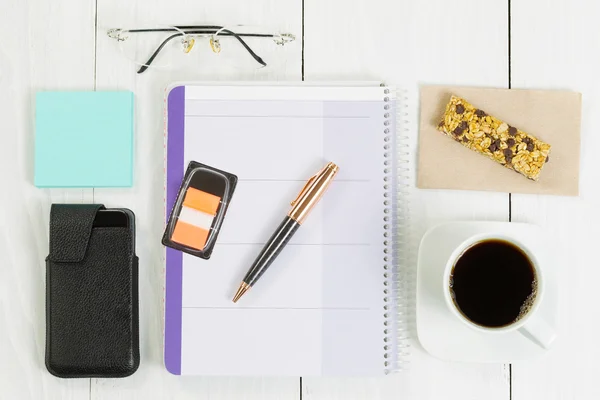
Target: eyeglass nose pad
x: 188, y: 44
x: 215, y: 45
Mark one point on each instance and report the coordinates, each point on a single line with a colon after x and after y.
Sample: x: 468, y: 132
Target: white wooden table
x: 61, y: 45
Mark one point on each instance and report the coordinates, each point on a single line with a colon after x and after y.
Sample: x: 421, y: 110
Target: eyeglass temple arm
x: 144, y: 67
x: 252, y: 53
x: 158, y: 50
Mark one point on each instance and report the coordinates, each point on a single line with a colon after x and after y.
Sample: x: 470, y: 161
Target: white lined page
x: 328, y: 281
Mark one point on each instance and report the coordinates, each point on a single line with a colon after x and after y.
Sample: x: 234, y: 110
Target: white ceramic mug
x: 531, y: 325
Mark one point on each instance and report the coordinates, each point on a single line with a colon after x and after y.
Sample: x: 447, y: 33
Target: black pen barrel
x: 276, y: 243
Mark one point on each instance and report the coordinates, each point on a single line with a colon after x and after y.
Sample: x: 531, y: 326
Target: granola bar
x: 489, y: 136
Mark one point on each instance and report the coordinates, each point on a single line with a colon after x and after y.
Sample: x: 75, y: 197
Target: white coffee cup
x: 531, y: 325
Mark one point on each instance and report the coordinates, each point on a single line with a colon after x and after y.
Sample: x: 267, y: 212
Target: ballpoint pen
x: 307, y: 199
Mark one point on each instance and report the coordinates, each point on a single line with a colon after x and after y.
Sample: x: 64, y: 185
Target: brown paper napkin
x: 550, y: 115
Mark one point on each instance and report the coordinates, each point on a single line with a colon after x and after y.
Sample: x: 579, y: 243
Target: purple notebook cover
x: 174, y: 258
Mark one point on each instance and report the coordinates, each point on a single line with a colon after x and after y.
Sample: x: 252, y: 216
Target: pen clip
x: 305, y: 188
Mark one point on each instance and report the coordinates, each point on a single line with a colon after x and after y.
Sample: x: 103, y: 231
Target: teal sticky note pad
x: 84, y: 139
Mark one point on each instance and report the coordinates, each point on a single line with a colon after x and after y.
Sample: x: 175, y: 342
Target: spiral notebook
x: 330, y: 304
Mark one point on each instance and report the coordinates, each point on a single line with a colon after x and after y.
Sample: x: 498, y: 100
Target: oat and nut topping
x: 487, y: 135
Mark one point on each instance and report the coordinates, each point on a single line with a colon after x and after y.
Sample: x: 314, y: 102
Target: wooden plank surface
x: 114, y: 71
x: 556, y: 53
x: 406, y: 44
x: 50, y: 46
x: 43, y: 47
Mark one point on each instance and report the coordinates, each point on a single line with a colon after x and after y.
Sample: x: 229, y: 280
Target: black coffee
x: 493, y: 283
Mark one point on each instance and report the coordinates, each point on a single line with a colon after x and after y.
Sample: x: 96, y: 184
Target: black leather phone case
x: 91, y: 295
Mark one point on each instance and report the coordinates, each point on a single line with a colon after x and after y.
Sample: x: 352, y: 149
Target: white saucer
x: 446, y: 337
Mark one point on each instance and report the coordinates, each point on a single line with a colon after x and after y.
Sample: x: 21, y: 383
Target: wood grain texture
x: 53, y: 46
x: 406, y: 44
x: 114, y: 72
x: 556, y: 55
x: 44, y: 46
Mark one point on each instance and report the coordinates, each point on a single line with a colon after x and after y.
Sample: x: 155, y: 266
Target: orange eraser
x: 189, y: 235
x: 201, y: 201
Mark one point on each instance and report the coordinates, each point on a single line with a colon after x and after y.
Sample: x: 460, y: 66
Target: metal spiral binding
x: 395, y: 232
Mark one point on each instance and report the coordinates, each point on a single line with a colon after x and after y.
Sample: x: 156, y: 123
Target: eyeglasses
x: 175, y: 46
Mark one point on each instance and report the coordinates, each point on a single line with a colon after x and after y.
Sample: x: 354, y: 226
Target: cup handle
x: 537, y: 330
